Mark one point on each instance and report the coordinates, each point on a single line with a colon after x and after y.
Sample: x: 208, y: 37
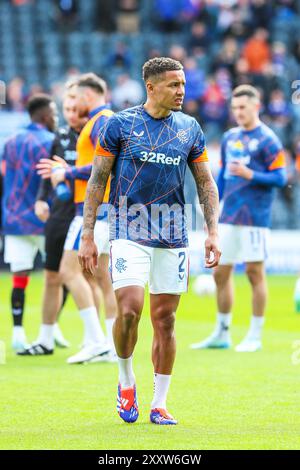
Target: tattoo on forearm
x: 207, y: 193
x: 95, y: 191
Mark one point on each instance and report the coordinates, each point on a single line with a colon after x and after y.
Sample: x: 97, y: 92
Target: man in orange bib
x: 90, y: 93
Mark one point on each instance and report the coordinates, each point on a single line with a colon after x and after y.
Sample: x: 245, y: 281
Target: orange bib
x: 85, y: 151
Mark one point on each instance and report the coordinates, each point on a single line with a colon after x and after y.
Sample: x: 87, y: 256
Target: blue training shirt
x: 146, y: 195
x: 248, y: 202
x: 21, y: 181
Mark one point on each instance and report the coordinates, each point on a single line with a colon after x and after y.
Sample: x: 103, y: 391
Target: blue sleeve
x: 276, y: 178
x: 221, y: 183
x: 95, y: 129
x: 198, y: 152
x: 221, y: 179
x: 108, y: 144
x: 78, y: 173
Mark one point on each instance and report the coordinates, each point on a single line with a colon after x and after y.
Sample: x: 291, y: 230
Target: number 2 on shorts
x: 181, y: 267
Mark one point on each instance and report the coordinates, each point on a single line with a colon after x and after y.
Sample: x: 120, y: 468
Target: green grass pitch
x: 222, y: 399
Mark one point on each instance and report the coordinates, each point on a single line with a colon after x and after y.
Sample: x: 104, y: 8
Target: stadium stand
x: 221, y: 44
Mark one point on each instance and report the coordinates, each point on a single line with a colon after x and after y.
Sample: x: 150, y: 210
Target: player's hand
x: 212, y: 251
x: 60, y: 160
x: 45, y: 166
x: 238, y: 169
x: 88, y: 255
x: 58, y: 176
x: 42, y: 210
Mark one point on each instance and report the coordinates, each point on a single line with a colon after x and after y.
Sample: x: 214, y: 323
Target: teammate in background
x: 89, y: 92
x: 253, y: 164
x: 147, y: 148
x: 23, y: 230
x: 58, y: 219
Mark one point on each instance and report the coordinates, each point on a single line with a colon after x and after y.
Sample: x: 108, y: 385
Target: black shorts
x: 55, y: 232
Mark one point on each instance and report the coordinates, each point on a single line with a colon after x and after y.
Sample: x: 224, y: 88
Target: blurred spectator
x: 15, y: 95
x: 223, y: 80
x: 189, y: 10
x: 178, y: 52
x: 241, y: 73
x: 208, y: 14
x: 66, y: 13
x: 284, y: 66
x: 225, y: 18
x: 128, y: 16
x: 195, y: 80
x: 198, y: 41
x: 154, y: 52
x: 286, y: 9
x: 214, y: 110
x: 278, y: 114
x: 278, y: 108
x: 257, y: 51
x: 239, y: 27
x: 127, y: 93
x: 35, y: 88
x: 167, y: 13
x: 296, y: 51
x: 105, y: 15
x: 227, y: 55
x: 191, y: 107
x: 261, y: 12
x: 120, y: 58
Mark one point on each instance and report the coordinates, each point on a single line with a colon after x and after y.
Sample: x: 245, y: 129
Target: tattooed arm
x: 88, y: 253
x: 209, y: 200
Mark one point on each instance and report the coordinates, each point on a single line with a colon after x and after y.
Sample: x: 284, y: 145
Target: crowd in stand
x: 226, y: 43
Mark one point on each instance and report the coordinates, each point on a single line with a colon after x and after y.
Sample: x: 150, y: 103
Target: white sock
x: 19, y: 332
x: 109, y: 323
x: 126, y: 374
x: 223, y: 322
x: 46, y: 336
x: 161, y: 388
x: 93, y: 332
x: 256, y: 326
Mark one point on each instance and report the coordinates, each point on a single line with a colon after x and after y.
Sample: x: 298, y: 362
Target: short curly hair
x: 158, y: 65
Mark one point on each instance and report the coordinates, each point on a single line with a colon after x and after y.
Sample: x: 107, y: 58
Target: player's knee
x: 53, y: 279
x: 66, y: 274
x: 130, y: 316
x: 255, y: 275
x: 164, y: 321
x: 220, y: 277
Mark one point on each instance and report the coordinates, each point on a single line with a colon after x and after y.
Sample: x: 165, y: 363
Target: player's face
x: 168, y: 91
x: 81, y: 102
x: 51, y: 117
x: 71, y: 114
x: 245, y: 110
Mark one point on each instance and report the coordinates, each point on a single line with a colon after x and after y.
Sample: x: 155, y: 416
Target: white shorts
x: 101, y: 235
x: 20, y: 251
x: 132, y: 264
x: 242, y: 244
